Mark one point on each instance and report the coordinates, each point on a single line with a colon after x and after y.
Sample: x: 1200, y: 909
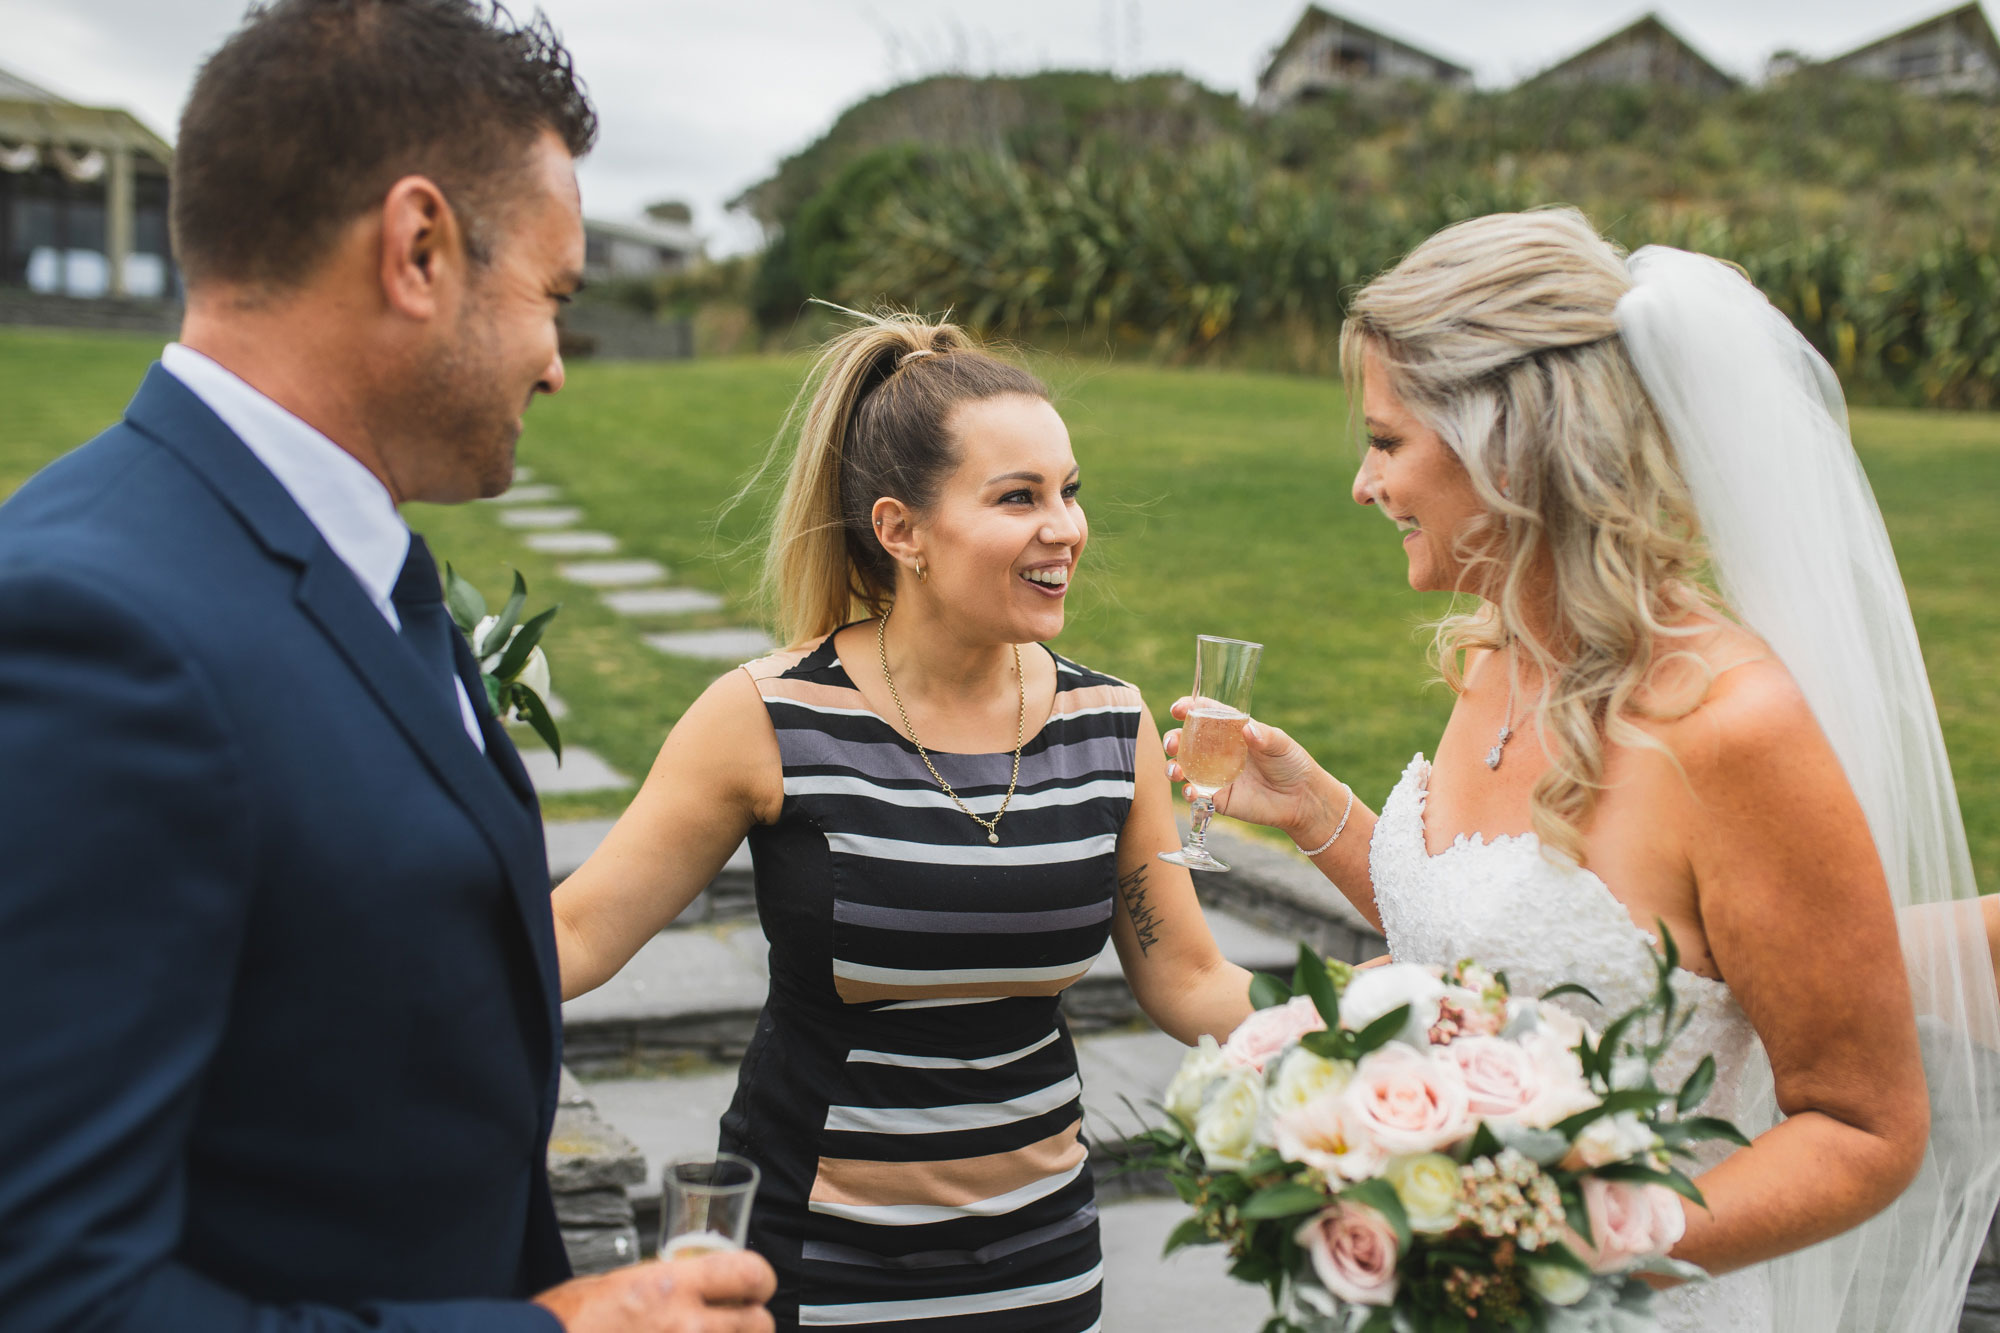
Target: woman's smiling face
x: 1416, y: 481
x: 1006, y: 532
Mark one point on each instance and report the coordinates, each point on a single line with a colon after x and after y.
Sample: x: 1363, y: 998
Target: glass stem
x: 1203, y: 811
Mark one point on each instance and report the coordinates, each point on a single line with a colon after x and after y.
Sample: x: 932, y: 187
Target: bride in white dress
x: 1568, y: 438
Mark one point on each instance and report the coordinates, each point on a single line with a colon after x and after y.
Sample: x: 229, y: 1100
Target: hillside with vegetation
x: 1155, y: 216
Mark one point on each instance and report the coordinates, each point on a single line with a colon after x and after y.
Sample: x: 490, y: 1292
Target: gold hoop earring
x: 923, y: 572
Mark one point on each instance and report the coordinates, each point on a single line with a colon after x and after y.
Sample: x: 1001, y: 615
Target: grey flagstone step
x: 518, y: 494
x: 661, y: 601
x: 613, y: 573
x: 572, y: 543
x: 714, y: 645
x: 561, y: 516
x: 581, y: 771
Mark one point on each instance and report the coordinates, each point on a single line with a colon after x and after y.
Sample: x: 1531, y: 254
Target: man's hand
x: 717, y: 1293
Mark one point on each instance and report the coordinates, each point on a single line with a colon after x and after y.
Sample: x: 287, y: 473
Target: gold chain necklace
x: 992, y: 826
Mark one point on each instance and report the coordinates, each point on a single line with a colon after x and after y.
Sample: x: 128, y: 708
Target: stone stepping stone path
x: 661, y: 601
x: 526, y: 495
x: 560, y: 516
x: 714, y: 645
x: 614, y: 573
x: 573, y: 543
x: 581, y: 770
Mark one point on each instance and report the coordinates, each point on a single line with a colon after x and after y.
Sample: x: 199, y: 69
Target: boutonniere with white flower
x: 511, y: 661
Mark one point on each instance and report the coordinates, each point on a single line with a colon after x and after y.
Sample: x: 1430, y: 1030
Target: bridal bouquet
x: 1404, y: 1149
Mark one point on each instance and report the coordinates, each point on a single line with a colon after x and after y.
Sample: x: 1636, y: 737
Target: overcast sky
x: 699, y: 100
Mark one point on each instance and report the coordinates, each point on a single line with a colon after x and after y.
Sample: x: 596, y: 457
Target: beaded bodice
x: 1543, y: 922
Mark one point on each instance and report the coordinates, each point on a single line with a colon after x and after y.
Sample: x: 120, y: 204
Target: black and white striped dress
x: 912, y: 1091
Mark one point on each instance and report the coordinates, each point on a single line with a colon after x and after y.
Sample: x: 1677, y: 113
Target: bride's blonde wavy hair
x: 1499, y: 333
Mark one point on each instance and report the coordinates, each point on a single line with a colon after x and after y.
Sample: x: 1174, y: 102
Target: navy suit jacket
x: 279, y: 1025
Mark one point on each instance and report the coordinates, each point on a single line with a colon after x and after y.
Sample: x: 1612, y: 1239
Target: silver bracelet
x: 1338, y: 829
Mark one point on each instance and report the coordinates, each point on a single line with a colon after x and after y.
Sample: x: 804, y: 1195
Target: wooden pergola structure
x: 70, y: 160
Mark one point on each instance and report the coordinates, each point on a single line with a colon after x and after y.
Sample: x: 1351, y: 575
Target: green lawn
x: 1218, y: 503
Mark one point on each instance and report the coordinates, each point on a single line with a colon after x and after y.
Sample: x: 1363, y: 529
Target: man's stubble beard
x: 455, y: 412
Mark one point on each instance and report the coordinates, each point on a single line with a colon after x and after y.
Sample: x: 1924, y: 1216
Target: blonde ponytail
x: 871, y: 420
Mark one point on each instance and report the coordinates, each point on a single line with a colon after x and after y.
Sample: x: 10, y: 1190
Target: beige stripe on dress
x: 951, y: 1184
x: 864, y: 992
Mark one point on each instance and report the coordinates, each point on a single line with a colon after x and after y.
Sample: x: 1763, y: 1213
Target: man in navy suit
x: 279, y: 1025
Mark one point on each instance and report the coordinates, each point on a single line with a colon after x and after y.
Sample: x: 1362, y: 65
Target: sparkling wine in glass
x: 705, y: 1204
x: 1212, y: 750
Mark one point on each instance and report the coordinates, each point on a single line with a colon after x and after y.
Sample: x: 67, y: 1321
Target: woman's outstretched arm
x: 717, y: 774
x: 1171, y: 961
x: 1282, y: 788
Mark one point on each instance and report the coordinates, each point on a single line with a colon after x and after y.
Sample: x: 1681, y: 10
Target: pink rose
x: 1631, y: 1222
x: 1500, y: 1077
x: 1409, y: 1102
x: 1327, y: 1133
x: 1261, y: 1037
x: 1353, y: 1250
x: 1564, y: 1088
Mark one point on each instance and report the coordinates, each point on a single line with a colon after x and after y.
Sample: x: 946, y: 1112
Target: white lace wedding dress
x: 1543, y: 923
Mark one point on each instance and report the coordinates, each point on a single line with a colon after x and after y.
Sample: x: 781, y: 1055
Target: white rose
x: 1610, y: 1138
x: 1427, y: 1185
x: 1557, y: 1285
x: 1374, y: 992
x: 1227, y: 1122
x: 1201, y: 1066
x: 1302, y: 1076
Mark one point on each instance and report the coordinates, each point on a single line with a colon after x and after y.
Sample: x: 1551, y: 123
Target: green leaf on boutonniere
x: 536, y: 714
x: 467, y: 607
x: 495, y: 691
x: 510, y: 616
x: 524, y: 643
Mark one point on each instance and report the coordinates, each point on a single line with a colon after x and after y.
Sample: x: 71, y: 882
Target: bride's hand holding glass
x: 1280, y: 786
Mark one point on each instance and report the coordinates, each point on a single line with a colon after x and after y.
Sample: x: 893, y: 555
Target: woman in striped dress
x: 948, y: 821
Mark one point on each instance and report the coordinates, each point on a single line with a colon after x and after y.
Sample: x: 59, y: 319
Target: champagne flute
x: 705, y: 1204
x: 1213, y: 751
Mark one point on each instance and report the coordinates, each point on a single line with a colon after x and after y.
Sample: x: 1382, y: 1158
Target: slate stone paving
x: 526, y: 495
x: 581, y: 771
x: 661, y: 601
x: 561, y: 516
x: 714, y: 645
x: 572, y: 543
x: 614, y: 573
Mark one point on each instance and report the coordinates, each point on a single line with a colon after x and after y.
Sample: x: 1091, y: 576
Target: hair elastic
x: 908, y: 357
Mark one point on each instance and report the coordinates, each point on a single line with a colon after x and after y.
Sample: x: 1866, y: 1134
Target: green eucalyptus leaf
x: 536, y: 714
x: 1329, y: 1045
x: 1287, y: 1198
x: 1698, y: 1084
x: 524, y: 643
x: 1310, y: 977
x: 1267, y: 991
x: 467, y: 607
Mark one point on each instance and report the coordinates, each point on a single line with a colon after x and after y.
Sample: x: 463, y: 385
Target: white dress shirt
x: 349, y: 505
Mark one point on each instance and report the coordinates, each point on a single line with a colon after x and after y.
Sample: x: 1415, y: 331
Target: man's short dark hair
x: 312, y: 109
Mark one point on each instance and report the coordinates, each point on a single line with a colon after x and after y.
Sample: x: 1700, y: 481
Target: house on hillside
x: 1328, y: 51
x: 663, y: 241
x: 1646, y: 53
x: 83, y: 198
x: 1954, y: 52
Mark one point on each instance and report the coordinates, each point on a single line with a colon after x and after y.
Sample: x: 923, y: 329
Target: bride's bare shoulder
x: 1729, y: 704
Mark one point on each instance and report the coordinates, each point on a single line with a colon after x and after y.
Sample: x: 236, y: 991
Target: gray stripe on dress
x: 804, y: 746
x: 969, y: 923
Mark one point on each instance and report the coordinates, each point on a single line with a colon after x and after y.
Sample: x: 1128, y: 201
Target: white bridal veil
x: 1800, y: 551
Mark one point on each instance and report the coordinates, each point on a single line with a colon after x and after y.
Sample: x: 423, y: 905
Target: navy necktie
x: 427, y: 626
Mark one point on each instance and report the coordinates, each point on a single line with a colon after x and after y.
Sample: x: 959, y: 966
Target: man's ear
x: 895, y: 529
x: 423, y: 254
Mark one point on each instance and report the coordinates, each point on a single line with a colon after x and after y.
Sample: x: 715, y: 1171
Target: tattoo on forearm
x: 1145, y: 922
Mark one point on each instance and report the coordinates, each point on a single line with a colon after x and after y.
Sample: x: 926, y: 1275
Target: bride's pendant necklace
x: 1506, y: 726
x: 992, y: 826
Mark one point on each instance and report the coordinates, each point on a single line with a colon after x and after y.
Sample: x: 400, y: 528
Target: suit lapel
x: 169, y: 413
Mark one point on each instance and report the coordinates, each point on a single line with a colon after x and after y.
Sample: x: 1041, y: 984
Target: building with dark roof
x: 1953, y: 52
x: 1328, y: 51
x: 1645, y: 53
